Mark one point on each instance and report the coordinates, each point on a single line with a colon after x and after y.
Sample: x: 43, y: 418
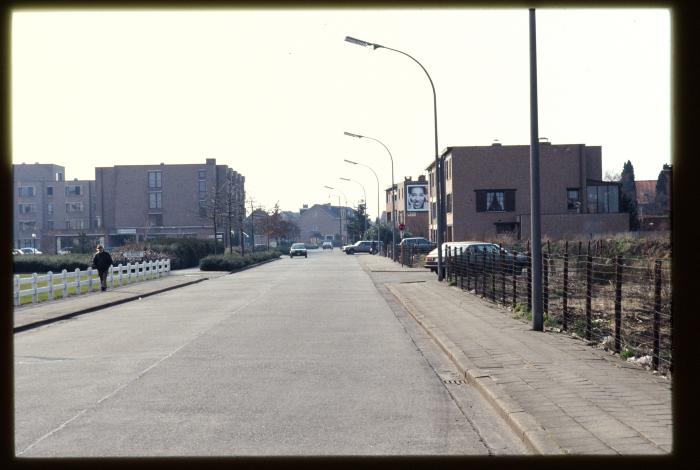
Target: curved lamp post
x: 365, y: 194
x: 393, y: 189
x: 340, y: 213
x: 438, y: 182
x: 378, y: 193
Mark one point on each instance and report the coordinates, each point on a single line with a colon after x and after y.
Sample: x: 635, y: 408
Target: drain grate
x: 454, y: 381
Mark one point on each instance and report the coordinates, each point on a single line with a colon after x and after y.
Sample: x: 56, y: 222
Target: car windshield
x: 298, y: 245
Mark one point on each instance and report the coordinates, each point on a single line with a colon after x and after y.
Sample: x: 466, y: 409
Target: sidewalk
x: 559, y: 394
x: 33, y: 315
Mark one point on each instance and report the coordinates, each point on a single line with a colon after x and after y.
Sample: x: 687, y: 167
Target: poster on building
x: 416, y: 197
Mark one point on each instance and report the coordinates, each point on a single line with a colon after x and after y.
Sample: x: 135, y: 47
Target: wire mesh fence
x: 623, y: 304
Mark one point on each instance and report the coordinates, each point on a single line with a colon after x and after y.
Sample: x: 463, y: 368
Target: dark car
x: 417, y: 244
x: 298, y: 249
x: 478, y: 252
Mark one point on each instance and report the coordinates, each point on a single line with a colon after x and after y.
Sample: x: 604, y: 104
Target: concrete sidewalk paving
x: 33, y: 315
x: 559, y: 394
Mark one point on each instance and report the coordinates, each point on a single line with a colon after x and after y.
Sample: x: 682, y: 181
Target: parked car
x: 298, y: 249
x: 16, y: 252
x: 362, y: 246
x: 327, y: 246
x: 30, y: 251
x: 65, y: 251
x: 476, y: 251
x: 418, y: 244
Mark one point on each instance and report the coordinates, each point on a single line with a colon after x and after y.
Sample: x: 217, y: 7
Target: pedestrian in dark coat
x: 102, y: 261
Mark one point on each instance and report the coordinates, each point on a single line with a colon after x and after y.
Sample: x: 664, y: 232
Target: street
x: 303, y: 356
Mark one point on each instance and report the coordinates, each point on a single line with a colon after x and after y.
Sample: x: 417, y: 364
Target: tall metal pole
x: 535, y: 233
x: 379, y: 191
x: 365, y: 195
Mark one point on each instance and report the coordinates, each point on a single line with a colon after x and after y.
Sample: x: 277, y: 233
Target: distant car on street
x: 298, y: 249
x: 30, y: 251
x: 361, y: 246
x: 476, y: 251
x: 327, y: 246
x: 65, y: 251
x: 417, y: 244
x: 16, y: 252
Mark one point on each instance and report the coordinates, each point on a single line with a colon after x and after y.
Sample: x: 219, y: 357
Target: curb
x: 66, y: 316
x: 533, y: 435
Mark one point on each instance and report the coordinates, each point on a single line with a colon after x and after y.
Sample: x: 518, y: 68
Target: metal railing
x: 80, y: 282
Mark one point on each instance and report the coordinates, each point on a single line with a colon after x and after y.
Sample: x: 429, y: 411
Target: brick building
x: 322, y: 222
x: 487, y: 192
x: 411, y: 205
x: 50, y: 213
x: 136, y: 202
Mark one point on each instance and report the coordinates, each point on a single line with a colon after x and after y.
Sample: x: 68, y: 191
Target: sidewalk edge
x: 533, y: 435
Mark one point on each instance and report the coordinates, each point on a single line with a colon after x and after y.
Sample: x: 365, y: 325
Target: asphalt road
x: 295, y: 357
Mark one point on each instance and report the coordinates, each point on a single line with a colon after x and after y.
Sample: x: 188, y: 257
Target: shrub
x: 233, y: 261
x: 53, y: 263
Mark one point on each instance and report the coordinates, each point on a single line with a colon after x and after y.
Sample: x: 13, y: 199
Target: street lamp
x: 438, y: 183
x: 34, y: 240
x: 378, y: 192
x: 365, y: 194
x: 393, y: 190
x: 340, y: 217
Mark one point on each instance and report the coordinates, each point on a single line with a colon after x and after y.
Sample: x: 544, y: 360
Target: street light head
x: 350, y: 134
x: 345, y: 179
x: 349, y: 161
x: 328, y: 187
x: 360, y: 42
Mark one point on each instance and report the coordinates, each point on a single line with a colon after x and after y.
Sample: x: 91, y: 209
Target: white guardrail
x: 117, y: 276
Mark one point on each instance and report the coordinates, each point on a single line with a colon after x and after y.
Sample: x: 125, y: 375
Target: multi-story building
x: 487, y: 192
x: 136, y: 202
x: 322, y: 222
x: 49, y: 212
x: 411, y: 206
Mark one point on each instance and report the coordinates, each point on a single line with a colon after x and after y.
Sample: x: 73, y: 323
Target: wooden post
x: 657, y: 313
x: 565, y: 296
x: 618, y: 303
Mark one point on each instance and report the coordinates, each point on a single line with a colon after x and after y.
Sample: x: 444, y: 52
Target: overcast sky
x: 270, y: 93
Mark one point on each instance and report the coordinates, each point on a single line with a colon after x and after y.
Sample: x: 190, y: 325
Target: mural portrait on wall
x: 416, y: 197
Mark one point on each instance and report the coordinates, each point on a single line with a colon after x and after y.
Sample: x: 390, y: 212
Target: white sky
x: 270, y: 93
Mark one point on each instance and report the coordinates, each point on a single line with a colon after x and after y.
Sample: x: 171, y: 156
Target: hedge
x: 54, y: 263
x: 233, y: 261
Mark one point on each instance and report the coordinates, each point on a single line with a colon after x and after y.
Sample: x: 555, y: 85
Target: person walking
x: 102, y: 261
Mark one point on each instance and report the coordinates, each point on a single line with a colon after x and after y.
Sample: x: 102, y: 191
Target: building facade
x: 411, y: 206
x: 137, y: 202
x: 487, y: 192
x: 322, y: 222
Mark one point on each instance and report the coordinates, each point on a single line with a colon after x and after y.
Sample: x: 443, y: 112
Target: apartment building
x: 50, y: 213
x: 411, y: 206
x: 487, y: 192
x: 136, y: 202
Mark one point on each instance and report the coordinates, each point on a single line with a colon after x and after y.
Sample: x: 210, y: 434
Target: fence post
x: 493, y: 276
x: 618, y: 303
x: 78, y: 289
x: 501, y: 264
x: 515, y: 284
x: 461, y: 267
x: 469, y: 270
x: 529, y: 279
x: 35, y: 294
x: 50, y: 285
x: 64, y: 273
x: 89, y: 278
x: 17, y: 289
x: 483, y: 273
x: 657, y: 313
x: 589, y: 292
x: 545, y: 284
x: 565, y: 295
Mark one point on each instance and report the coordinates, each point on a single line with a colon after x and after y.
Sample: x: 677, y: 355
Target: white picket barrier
x: 29, y: 286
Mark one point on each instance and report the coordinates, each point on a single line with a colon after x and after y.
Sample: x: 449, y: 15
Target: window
x: 573, y: 200
x: 155, y: 179
x: 59, y: 176
x: 27, y: 226
x: 202, y: 208
x: 75, y: 223
x: 495, y: 200
x: 26, y: 208
x: 202, y: 174
x: 74, y: 206
x: 155, y: 200
x: 433, y: 210
x: 49, y: 225
x: 449, y: 202
x: 49, y: 190
x: 26, y: 191
x: 603, y: 199
x: 50, y: 208
x: 73, y: 190
x: 155, y: 220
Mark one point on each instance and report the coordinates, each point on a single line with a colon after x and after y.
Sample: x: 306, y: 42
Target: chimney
x: 496, y: 143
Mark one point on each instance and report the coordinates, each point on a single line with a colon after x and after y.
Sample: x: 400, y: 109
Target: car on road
x: 361, y: 246
x: 65, y: 251
x: 30, y: 251
x: 327, y: 246
x: 417, y: 244
x: 298, y: 249
x: 476, y: 251
x: 16, y: 252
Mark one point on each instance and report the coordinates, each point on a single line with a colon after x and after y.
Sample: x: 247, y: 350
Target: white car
x: 327, y: 246
x: 30, y: 251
